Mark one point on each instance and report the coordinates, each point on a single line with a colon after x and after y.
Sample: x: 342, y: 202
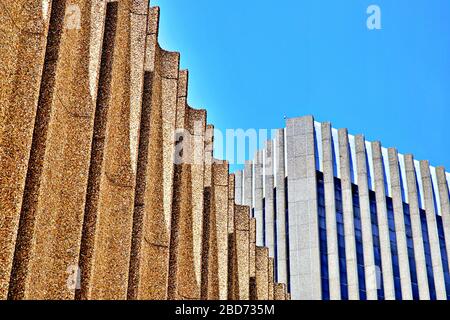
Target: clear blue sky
x: 253, y: 62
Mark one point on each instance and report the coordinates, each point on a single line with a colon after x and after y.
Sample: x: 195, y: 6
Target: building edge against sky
x: 376, y: 223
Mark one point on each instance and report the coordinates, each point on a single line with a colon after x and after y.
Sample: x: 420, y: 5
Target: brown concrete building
x: 108, y: 185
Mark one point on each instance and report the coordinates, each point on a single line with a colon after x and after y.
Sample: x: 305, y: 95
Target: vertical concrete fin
x: 138, y: 27
x: 303, y: 209
x: 258, y: 197
x: 399, y: 221
x: 282, y: 240
x: 271, y: 278
x: 61, y: 143
x: 269, y: 209
x: 262, y: 273
x: 416, y: 228
x: 242, y: 252
x: 98, y: 16
x: 152, y: 40
x: 330, y: 213
x: 238, y: 187
x: 349, y: 223
x: 23, y: 83
x: 217, y: 268
x: 280, y: 291
x: 182, y: 99
x: 252, y: 247
x: 197, y: 126
x: 433, y: 235
x: 383, y: 221
x: 445, y: 206
x: 370, y: 269
x: 209, y: 147
x: 231, y: 196
x: 113, y: 233
x: 248, y: 185
x: 97, y: 150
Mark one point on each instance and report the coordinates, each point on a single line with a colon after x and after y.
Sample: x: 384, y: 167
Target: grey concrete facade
x: 385, y: 217
x: 302, y: 201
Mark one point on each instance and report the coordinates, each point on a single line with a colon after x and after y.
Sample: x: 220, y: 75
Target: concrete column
x: 416, y: 226
x: 269, y: 201
x: 187, y: 208
x: 349, y: 223
x: 252, y: 246
x: 262, y: 273
x: 445, y: 206
x: 197, y: 127
x: 280, y: 291
x: 218, y: 271
x: 304, y: 253
x: 258, y: 197
x: 366, y: 224
x: 238, y: 187
x: 23, y: 51
x: 330, y: 213
x: 248, y: 184
x: 271, y: 278
x: 242, y: 252
x: 383, y: 223
x: 231, y: 196
x: 54, y: 210
x: 399, y: 220
x: 281, y: 241
x: 208, y: 216
x: 433, y: 235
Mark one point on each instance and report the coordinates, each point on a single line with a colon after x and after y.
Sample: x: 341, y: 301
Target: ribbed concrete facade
x: 108, y: 185
x: 351, y: 219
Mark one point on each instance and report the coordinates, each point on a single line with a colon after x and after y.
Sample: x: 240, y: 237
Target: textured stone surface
x: 58, y: 172
x: 262, y: 273
x: 24, y: 25
x: 279, y: 291
x: 242, y: 252
x: 109, y: 188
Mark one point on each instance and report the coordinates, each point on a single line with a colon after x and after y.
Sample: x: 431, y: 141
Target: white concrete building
x: 346, y: 218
